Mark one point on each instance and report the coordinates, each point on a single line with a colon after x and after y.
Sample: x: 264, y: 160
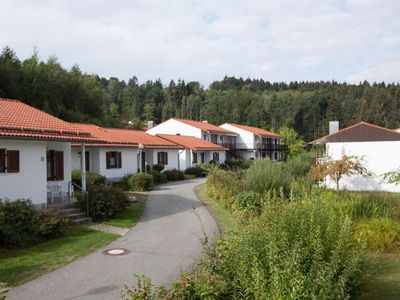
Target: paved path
x: 164, y: 242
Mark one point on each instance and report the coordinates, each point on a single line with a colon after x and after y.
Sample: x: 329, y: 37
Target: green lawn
x: 221, y: 214
x: 129, y: 217
x: 382, y: 278
x: 20, y: 265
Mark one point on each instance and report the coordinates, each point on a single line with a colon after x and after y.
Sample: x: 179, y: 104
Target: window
x: 204, y: 136
x: 162, y: 158
x: 216, y: 156
x: 9, y: 161
x: 214, y: 138
x: 202, y: 157
x: 55, y: 165
x: 195, y: 158
x: 113, y: 160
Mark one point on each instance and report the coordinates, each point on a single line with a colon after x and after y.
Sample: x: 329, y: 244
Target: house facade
x: 377, y: 146
x: 195, y: 150
x: 202, y: 130
x: 125, y: 152
x: 255, y: 143
x: 35, y: 153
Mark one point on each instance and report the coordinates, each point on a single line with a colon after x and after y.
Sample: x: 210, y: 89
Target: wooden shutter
x: 165, y: 158
x: 159, y: 158
x: 2, y: 160
x: 59, y: 165
x: 119, y: 159
x: 12, y: 161
x: 108, y: 160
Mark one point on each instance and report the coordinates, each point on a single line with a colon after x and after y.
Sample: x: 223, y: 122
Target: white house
x: 126, y: 151
x: 254, y: 143
x: 196, y: 150
x: 202, y: 130
x: 35, y: 153
x: 379, y: 147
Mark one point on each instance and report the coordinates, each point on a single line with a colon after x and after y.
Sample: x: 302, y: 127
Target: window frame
x: 194, y: 158
x: 10, y: 161
x: 215, y: 156
x: 117, y: 155
x: 162, y: 158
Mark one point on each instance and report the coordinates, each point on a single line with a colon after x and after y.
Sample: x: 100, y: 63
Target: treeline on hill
x: 305, y: 106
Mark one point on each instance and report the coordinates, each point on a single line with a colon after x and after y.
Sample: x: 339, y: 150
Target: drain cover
x: 116, y: 251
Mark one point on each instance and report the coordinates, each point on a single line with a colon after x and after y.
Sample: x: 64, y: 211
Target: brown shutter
x: 119, y: 159
x: 159, y: 158
x: 2, y: 160
x: 12, y: 161
x: 108, y: 157
x: 59, y: 165
x: 166, y: 158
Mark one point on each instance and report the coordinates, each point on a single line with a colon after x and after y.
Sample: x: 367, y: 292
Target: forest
x: 74, y: 95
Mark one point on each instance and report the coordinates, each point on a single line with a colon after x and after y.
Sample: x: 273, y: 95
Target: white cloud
x: 205, y: 40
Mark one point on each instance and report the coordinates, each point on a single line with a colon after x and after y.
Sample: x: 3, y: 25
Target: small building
x: 255, y: 143
x: 196, y: 151
x: 202, y: 130
x: 125, y: 151
x: 35, y: 153
x: 377, y: 146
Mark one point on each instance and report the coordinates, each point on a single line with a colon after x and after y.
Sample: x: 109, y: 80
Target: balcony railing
x: 259, y: 146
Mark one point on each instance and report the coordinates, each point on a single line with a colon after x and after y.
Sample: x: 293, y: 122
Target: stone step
x: 61, y: 206
x: 75, y: 216
x: 82, y: 221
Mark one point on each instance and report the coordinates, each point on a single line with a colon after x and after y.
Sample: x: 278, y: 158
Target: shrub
x: 223, y: 186
x: 196, y: 171
x: 213, y: 162
x: 298, y: 166
x: 158, y: 167
x: 381, y: 234
x: 265, y: 176
x: 158, y: 177
x: 292, y: 251
x: 237, y: 164
x: 141, y: 182
x: 22, y: 225
x: 174, y: 175
x: 248, y: 201
x: 91, y: 178
x: 105, y: 200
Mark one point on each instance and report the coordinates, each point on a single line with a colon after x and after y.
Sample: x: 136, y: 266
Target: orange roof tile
x: 18, y: 119
x: 205, y: 126
x: 191, y: 142
x: 125, y: 137
x: 255, y: 130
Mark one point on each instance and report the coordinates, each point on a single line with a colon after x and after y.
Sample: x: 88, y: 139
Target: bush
x: 248, y: 201
x: 141, y: 182
x: 22, y: 225
x: 196, y: 171
x: 292, y: 251
x: 158, y: 167
x: 298, y: 166
x: 265, y: 176
x: 105, y: 201
x: 158, y: 177
x: 91, y: 178
x: 174, y: 175
x: 237, y: 164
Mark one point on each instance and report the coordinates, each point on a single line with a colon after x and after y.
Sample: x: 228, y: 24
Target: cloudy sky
x: 278, y: 40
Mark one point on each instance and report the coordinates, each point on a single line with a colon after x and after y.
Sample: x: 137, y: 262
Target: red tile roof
x: 18, y: 119
x: 255, y: 130
x: 125, y: 137
x: 205, y: 126
x: 191, y: 142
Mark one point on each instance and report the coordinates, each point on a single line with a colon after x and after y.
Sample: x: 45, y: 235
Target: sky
x: 277, y: 40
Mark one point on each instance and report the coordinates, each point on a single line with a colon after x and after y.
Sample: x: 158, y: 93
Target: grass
x: 21, y: 265
x: 221, y: 214
x: 129, y: 217
x: 382, y: 279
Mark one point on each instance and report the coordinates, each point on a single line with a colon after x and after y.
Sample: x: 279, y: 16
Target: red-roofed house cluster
x: 38, y: 151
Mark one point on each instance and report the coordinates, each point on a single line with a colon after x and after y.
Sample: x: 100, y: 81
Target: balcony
x: 271, y: 147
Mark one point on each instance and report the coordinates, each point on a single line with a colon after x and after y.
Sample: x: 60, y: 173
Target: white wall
x: 379, y: 158
x: 172, y: 158
x: 30, y: 181
x: 174, y: 127
x: 66, y: 148
x: 245, y: 139
x: 129, y: 157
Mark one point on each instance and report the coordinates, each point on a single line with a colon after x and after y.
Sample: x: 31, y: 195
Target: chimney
x: 150, y: 124
x: 205, y: 121
x: 333, y: 126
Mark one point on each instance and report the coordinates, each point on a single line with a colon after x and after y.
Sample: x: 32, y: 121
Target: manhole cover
x: 116, y: 251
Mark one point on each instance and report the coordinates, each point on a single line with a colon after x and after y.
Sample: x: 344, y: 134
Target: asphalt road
x: 165, y: 242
